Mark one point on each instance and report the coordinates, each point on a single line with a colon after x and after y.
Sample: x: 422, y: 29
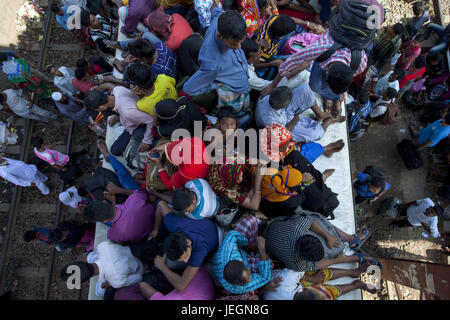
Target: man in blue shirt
x: 433, y: 133
x: 62, y: 15
x: 188, y: 245
x: 223, y: 65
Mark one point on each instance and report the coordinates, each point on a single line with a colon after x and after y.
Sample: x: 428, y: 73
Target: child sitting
x: 370, y: 185
x: 383, y: 104
x: 358, y: 110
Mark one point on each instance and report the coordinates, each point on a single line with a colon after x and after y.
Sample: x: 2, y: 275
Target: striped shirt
x: 313, y: 51
x: 231, y: 250
x: 281, y: 236
x: 263, y: 34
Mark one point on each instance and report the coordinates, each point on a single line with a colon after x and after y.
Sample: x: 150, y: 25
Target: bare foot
x: 323, y: 115
x: 336, y: 108
x: 365, y: 287
x: 327, y: 105
x: 333, y: 147
x: 101, y: 145
x: 361, y: 269
x: 109, y: 196
x: 327, y: 173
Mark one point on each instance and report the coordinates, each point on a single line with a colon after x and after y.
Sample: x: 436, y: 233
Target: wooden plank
x: 56, y: 47
x: 32, y: 272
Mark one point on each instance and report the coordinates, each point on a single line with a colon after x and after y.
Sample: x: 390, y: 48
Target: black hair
x: 37, y: 142
x: 420, y: 62
x: 226, y: 112
x: 376, y: 177
x: 56, y: 235
x: 309, y: 248
x: 3, y: 56
x: 280, y: 96
x: 141, y: 48
x: 49, y: 69
x: 80, y: 73
x: 181, y: 199
x: 98, y: 211
x: 282, y: 26
x: 447, y: 118
x: 232, y: 273
x: 86, y: 271
x: 306, y: 294
x: 81, y: 63
x: 94, y: 99
x: 29, y: 235
x: 419, y: 37
x: 139, y: 74
x: 175, y: 245
x: 1, y: 98
x: 55, y: 7
x: 340, y: 77
x: 249, y: 46
x: 82, y: 191
x: 85, y: 18
x: 231, y: 25
x: 399, y: 28
x: 262, y: 4
x: 400, y: 73
x: 438, y: 208
x: 418, y: 8
x: 391, y: 93
x: 363, y: 97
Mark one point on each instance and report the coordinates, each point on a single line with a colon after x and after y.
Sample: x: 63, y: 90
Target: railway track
x: 12, y: 261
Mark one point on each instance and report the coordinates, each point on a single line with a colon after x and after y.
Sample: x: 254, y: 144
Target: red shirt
x: 411, y: 76
x: 83, y: 86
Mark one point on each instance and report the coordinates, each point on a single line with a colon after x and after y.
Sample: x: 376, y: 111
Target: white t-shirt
x: 289, y: 285
x: 68, y: 200
x: 379, y: 107
x: 65, y: 83
x: 16, y: 102
x: 207, y: 201
x: 416, y: 215
x: 383, y: 83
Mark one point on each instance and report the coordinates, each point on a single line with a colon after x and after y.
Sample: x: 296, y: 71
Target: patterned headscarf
x: 229, y: 173
x: 159, y: 23
x: 275, y: 136
x: 275, y: 188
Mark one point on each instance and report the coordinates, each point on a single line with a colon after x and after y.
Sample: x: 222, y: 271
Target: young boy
x: 284, y: 107
x: 388, y: 45
x: 358, y: 110
x: 62, y: 78
x: 370, y: 185
x: 62, y: 15
x: 382, y: 104
x: 150, y: 92
x: 433, y: 133
x: 100, y: 29
x: 81, y: 81
x: 389, y: 80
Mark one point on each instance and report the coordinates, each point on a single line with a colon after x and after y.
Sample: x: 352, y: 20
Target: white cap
x: 56, y: 96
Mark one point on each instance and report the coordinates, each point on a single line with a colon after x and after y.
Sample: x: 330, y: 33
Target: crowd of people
x: 187, y: 224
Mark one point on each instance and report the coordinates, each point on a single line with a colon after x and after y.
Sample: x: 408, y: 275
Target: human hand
x: 261, y: 243
x: 113, y: 121
x: 276, y: 62
x: 260, y: 172
x: 160, y: 262
x: 307, y: 177
x: 143, y: 147
x: 153, y: 234
x: 105, y: 285
x: 264, y: 43
x: 274, y: 284
x: 316, y: 28
x: 332, y: 242
x: 267, y: 90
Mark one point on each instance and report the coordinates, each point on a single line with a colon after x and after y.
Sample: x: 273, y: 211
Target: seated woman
x: 173, y: 29
x: 318, y: 196
x: 282, y: 191
x: 232, y: 181
x: 170, y: 115
x: 188, y: 155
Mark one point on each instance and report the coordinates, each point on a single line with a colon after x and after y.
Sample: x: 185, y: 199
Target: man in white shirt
x: 13, y: 101
x: 284, y: 106
x: 63, y: 79
x: 390, y: 80
x: 22, y: 174
x: 421, y: 213
x: 114, y: 264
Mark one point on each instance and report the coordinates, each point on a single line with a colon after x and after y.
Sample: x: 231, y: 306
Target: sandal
x: 362, y: 255
x: 357, y: 240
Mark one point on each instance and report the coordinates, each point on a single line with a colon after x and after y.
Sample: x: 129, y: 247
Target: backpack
x: 391, y: 207
x: 409, y: 154
x: 349, y: 29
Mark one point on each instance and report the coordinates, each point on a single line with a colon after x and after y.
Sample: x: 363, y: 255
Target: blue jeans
x: 440, y: 31
x: 147, y: 36
x: 325, y: 10
x: 319, y: 84
x: 125, y: 179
